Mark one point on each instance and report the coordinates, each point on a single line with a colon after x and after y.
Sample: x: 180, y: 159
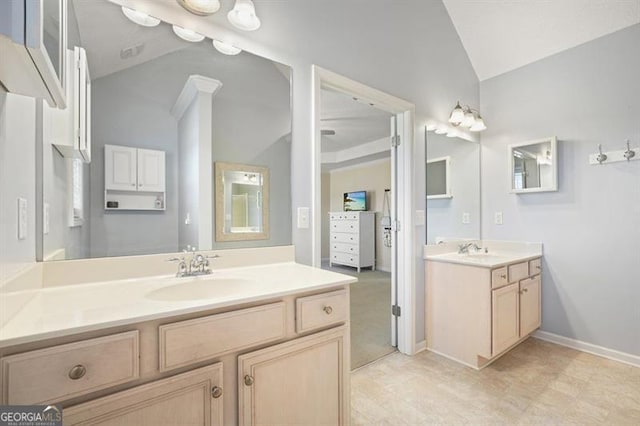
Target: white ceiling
x: 354, y: 122
x: 502, y: 35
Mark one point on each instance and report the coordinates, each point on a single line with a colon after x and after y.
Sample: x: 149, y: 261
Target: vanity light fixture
x: 187, y: 34
x: 201, y: 7
x: 226, y: 48
x: 467, y: 117
x: 140, y: 18
x: 243, y: 16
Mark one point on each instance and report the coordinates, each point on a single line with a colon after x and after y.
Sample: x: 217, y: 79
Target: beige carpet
x: 370, y: 314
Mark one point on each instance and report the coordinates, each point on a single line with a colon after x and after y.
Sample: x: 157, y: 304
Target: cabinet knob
x: 503, y: 276
x: 327, y: 310
x: 248, y: 380
x: 133, y: 184
x: 140, y: 185
x: 216, y: 392
x: 538, y: 267
x: 77, y: 372
x: 525, y: 290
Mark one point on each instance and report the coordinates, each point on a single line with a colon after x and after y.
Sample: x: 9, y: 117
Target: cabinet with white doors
x: 69, y: 129
x: 352, y: 239
x: 134, y: 178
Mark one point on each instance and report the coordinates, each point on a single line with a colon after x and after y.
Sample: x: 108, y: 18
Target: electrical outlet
x: 303, y: 217
x: 22, y: 218
x: 45, y: 219
x: 466, y: 218
x: 497, y: 218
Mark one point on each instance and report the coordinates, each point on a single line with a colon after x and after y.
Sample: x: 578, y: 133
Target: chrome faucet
x: 198, y: 264
x: 464, y: 248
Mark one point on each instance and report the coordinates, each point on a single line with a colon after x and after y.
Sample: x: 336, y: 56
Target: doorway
x: 399, y: 114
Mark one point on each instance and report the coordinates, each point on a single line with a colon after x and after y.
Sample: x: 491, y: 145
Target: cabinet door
x: 151, y: 170
x: 120, y: 168
x: 193, y: 398
x: 302, y: 382
x: 505, y: 317
x: 530, y: 305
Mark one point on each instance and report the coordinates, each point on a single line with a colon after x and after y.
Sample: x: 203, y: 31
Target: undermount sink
x: 208, y: 288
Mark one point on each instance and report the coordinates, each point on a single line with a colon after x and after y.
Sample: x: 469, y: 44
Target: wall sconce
x: 467, y: 117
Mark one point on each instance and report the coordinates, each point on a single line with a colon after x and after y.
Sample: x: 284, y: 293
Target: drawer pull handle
x: 538, y: 267
x: 248, y: 380
x: 504, y: 277
x: 216, y: 392
x: 77, y: 372
x: 327, y: 310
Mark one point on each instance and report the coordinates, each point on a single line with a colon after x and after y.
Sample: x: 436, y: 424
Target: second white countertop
x: 64, y: 310
x: 499, y: 253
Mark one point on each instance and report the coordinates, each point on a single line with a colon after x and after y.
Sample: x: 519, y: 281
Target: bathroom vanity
x: 261, y: 344
x: 481, y: 304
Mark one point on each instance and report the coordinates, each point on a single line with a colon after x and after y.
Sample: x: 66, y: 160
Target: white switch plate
x: 303, y: 217
x: 22, y: 218
x: 45, y: 219
x: 466, y: 218
x: 497, y: 218
x: 420, y: 218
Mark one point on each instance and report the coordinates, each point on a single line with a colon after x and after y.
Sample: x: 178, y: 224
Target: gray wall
x: 590, y: 227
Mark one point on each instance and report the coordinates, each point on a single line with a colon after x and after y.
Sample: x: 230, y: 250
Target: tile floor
x: 535, y: 383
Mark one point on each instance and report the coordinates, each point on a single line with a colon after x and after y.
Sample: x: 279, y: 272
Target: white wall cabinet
x: 134, y: 179
x: 69, y: 129
x: 33, y: 42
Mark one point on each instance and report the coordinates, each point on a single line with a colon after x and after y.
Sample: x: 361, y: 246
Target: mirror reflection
x: 452, y: 188
x: 128, y: 166
x: 533, y: 166
x: 242, y: 202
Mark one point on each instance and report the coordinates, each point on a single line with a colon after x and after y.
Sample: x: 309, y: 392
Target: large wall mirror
x: 162, y: 111
x: 533, y: 166
x: 453, y: 188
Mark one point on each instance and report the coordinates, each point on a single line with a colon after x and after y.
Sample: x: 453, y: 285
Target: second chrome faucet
x: 192, y: 263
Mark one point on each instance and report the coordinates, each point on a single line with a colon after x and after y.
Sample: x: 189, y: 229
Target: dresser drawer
x: 499, y: 277
x: 344, y: 248
x: 518, y: 271
x: 343, y: 216
x: 345, y: 258
x: 67, y: 371
x: 341, y: 237
x: 344, y: 226
x: 535, y: 266
x: 187, y: 342
x: 321, y: 310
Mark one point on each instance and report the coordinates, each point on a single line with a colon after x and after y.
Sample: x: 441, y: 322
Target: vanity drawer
x: 187, y: 342
x: 518, y: 271
x: 344, y: 248
x: 341, y: 237
x: 321, y: 310
x: 499, y: 277
x: 535, y: 266
x: 345, y: 258
x: 344, y: 226
x: 67, y: 371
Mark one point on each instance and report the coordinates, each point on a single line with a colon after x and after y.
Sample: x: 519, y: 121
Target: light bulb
x: 468, y: 120
x: 201, y: 7
x: 187, y: 34
x: 243, y: 16
x: 457, y: 115
x: 478, y: 125
x: 140, y: 18
x: 225, y: 48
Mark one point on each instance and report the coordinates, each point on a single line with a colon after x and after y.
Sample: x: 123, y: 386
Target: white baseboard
x: 612, y: 354
x: 420, y: 346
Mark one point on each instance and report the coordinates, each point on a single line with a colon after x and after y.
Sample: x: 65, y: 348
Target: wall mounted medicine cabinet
x: 134, y: 178
x: 533, y: 166
x: 33, y: 40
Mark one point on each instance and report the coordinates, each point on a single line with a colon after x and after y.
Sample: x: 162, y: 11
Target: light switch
x: 466, y: 218
x: 22, y: 218
x: 497, y: 218
x: 45, y: 218
x: 303, y: 217
x: 420, y: 218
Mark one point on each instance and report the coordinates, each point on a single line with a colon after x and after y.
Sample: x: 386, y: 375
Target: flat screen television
x: 355, y: 201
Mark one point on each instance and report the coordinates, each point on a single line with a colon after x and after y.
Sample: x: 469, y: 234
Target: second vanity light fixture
x: 467, y: 117
x: 242, y: 16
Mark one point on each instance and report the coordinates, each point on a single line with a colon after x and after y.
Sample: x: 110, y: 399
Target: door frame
x: 405, y: 236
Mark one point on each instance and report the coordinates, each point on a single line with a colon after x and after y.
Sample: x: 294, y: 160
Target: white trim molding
x: 590, y: 348
x: 195, y: 84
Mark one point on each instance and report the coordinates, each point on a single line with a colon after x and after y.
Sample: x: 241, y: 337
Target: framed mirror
x: 242, y: 202
x: 533, y: 166
x: 438, y: 178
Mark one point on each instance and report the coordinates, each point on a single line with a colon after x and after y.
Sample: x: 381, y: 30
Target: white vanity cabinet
x: 475, y: 314
x: 134, y: 178
x: 69, y: 129
x: 33, y: 42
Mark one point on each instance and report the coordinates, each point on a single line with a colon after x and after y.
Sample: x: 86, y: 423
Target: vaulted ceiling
x: 502, y: 35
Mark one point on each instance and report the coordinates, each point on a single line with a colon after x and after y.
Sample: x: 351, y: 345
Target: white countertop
x: 499, y: 253
x: 488, y: 260
x: 64, y: 310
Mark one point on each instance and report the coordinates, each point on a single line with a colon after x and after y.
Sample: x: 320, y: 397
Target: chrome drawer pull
x: 328, y: 310
x: 216, y: 392
x: 248, y: 380
x: 77, y: 372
